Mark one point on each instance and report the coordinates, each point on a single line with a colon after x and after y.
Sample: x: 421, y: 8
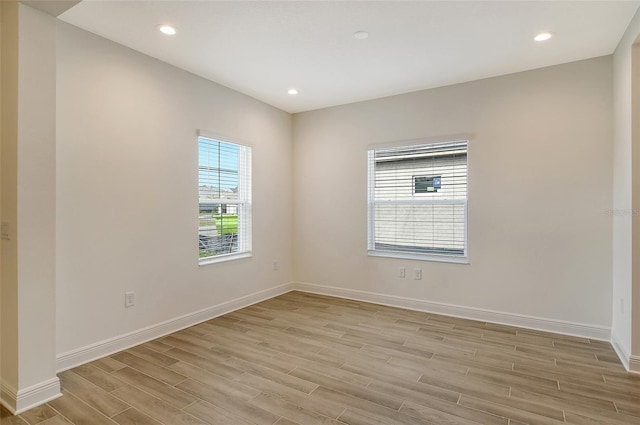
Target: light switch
x: 6, y: 231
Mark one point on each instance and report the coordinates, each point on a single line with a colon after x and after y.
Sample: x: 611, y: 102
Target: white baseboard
x: 601, y: 333
x: 104, y: 348
x: 621, y: 350
x: 8, y: 396
x: 634, y: 364
x: 21, y: 401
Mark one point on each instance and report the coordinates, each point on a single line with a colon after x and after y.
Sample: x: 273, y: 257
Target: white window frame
x: 372, y: 202
x: 243, y: 202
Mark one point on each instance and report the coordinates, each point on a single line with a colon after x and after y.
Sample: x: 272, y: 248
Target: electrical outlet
x: 401, y: 272
x: 275, y: 265
x: 129, y: 299
x: 417, y: 274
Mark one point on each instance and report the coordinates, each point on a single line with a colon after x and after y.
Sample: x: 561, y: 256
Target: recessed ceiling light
x: 360, y: 35
x: 167, y: 29
x: 543, y: 36
x: 292, y: 91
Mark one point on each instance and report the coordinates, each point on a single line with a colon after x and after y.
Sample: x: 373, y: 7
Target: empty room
x: 320, y: 212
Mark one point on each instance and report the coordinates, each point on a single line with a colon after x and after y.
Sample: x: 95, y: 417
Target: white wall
x: 622, y: 188
x: 9, y: 204
x: 540, y: 178
x: 36, y: 223
x: 127, y: 198
x: 28, y: 207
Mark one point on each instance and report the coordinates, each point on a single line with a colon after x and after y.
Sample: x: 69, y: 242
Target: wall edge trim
x: 620, y: 349
x: 634, y: 364
x: 22, y: 400
x: 8, y: 396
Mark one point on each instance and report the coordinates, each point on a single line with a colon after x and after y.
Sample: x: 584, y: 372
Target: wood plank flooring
x: 307, y: 359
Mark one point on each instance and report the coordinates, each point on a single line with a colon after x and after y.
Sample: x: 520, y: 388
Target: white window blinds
x: 224, y: 186
x: 418, y: 200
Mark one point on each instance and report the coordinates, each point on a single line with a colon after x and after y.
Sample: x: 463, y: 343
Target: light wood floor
x: 306, y: 359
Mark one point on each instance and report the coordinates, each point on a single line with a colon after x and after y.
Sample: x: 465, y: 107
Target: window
x: 224, y: 188
x: 418, y: 201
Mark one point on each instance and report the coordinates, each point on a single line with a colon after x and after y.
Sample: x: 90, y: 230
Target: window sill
x: 423, y: 257
x: 223, y: 258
